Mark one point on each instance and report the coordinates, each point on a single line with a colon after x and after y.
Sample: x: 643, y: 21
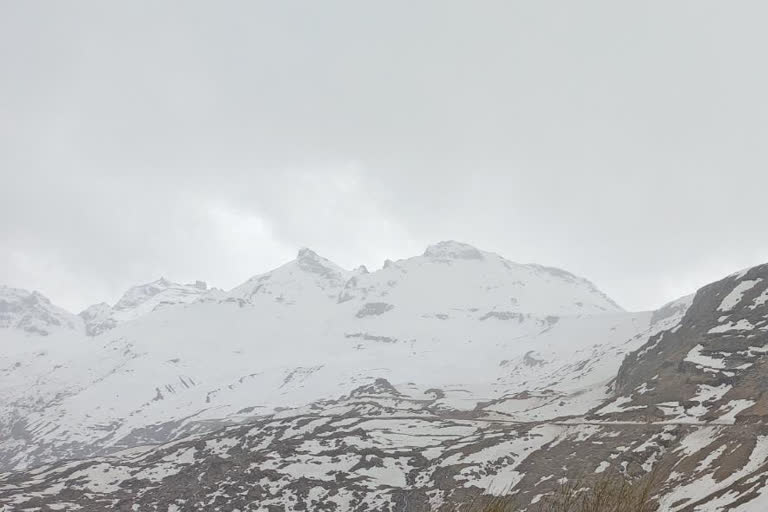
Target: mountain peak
x: 309, y: 261
x: 139, y: 293
x: 305, y: 253
x: 451, y: 249
x: 140, y: 300
x: 33, y: 312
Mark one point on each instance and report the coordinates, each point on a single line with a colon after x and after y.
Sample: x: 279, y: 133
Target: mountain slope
x: 711, y: 368
x: 686, y: 403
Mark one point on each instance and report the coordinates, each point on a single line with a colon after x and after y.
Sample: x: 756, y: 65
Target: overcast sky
x: 623, y: 141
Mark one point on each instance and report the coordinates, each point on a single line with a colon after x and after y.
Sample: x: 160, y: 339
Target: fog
x: 624, y: 142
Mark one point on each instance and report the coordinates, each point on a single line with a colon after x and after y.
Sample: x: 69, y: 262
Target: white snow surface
x: 311, y: 330
x: 734, y: 297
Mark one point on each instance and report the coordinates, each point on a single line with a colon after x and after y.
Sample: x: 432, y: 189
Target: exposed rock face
x: 712, y: 366
x: 98, y: 318
x: 377, y: 450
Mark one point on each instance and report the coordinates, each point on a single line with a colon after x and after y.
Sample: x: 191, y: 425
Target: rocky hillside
x: 711, y: 367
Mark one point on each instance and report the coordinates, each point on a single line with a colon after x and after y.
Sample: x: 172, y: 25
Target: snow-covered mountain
x: 449, y: 276
x: 169, y: 359
x: 308, y: 280
x: 140, y: 300
x: 31, y: 313
x: 422, y: 385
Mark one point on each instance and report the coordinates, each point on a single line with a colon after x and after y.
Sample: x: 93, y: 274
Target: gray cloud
x: 624, y: 142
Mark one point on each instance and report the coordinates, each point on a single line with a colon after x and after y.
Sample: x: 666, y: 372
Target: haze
x: 624, y: 142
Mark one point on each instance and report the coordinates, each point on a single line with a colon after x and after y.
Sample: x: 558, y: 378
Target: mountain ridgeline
x: 422, y: 386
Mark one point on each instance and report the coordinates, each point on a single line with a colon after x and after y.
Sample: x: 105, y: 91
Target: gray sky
x: 623, y: 141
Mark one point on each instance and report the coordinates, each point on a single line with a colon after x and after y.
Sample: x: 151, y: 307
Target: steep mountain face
x: 32, y: 313
x: 307, y: 280
x: 432, y: 382
x: 139, y: 301
x: 706, y: 380
x: 711, y: 367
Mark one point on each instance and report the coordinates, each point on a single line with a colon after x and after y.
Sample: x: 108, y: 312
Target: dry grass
x: 609, y: 494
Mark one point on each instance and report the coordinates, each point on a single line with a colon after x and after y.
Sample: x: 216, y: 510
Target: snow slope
x: 169, y: 359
